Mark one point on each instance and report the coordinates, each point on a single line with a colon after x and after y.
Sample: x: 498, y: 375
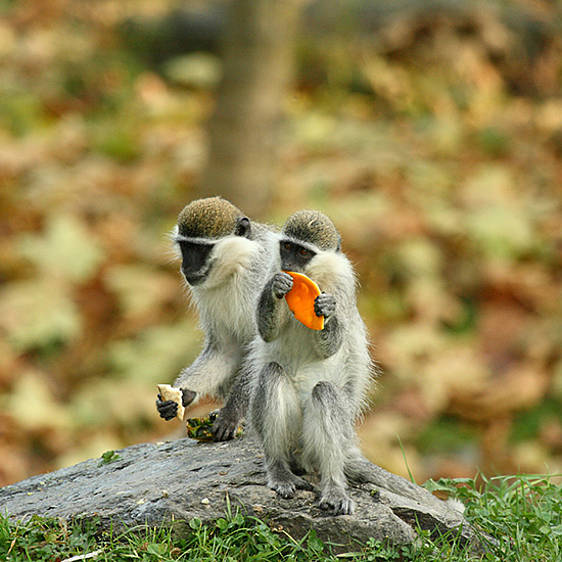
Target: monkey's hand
x: 281, y: 284
x: 324, y: 305
x: 168, y: 409
x: 225, y: 425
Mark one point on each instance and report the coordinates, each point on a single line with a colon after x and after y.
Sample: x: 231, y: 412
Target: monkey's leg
x: 276, y: 418
x: 328, y: 434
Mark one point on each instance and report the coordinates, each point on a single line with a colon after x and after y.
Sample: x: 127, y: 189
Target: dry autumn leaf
x: 442, y: 178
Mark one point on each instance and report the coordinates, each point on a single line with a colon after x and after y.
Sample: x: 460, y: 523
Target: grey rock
x: 175, y: 481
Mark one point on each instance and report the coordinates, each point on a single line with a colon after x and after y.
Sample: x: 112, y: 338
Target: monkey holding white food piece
x: 225, y: 261
x: 174, y: 398
x: 309, y: 386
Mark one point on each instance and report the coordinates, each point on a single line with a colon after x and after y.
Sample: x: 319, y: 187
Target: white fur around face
x: 174, y: 247
x: 330, y: 269
x: 230, y: 256
x: 227, y: 299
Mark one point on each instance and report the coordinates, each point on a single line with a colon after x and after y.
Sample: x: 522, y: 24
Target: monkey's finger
x: 339, y: 504
x: 281, y: 291
x: 284, y: 489
x: 223, y: 431
x: 302, y: 484
x: 165, y: 403
x: 324, y: 305
x: 318, y: 309
x: 344, y: 507
x: 340, y: 509
x: 166, y: 415
x: 326, y: 299
x: 283, y: 279
x: 167, y: 409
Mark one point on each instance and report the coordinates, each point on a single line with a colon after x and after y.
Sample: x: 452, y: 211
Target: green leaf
x: 108, y: 457
x: 202, y: 70
x: 157, y: 549
x: 158, y: 354
x: 37, y: 314
x: 41, y: 410
x: 102, y: 402
x: 140, y: 288
x: 500, y: 232
x: 314, y: 543
x: 418, y: 256
x: 66, y: 250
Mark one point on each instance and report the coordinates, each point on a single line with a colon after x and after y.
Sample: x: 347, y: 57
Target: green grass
x: 522, y: 513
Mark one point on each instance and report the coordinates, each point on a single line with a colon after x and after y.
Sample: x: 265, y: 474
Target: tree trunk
x: 258, y: 46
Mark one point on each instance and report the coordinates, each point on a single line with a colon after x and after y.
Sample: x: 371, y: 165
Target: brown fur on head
x: 313, y: 227
x: 212, y: 217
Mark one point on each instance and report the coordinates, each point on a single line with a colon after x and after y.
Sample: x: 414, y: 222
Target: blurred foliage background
x: 431, y: 133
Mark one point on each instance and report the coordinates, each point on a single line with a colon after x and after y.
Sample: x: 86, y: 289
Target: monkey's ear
x: 338, y: 249
x: 243, y: 227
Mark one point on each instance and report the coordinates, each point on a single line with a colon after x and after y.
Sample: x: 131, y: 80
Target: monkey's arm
x: 235, y: 409
x: 206, y: 375
x: 270, y: 306
x: 328, y: 340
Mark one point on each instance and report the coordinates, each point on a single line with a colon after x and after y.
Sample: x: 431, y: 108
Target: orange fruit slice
x: 300, y: 300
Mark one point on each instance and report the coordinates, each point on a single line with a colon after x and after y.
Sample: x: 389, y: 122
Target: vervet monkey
x: 226, y: 259
x: 309, y: 386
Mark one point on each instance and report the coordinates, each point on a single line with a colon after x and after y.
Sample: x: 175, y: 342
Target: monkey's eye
x: 304, y: 252
x: 286, y: 245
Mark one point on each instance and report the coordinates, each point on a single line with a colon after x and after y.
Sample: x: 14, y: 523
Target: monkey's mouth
x: 292, y: 267
x: 198, y: 278
x: 195, y: 279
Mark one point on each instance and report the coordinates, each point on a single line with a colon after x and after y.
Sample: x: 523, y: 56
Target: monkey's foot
x: 286, y: 487
x: 337, y: 501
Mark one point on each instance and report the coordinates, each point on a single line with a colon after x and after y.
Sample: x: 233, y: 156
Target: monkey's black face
x: 195, y: 264
x: 196, y: 249
x: 294, y: 257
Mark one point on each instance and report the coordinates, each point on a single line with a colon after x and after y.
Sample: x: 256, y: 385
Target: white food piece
x: 170, y: 393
